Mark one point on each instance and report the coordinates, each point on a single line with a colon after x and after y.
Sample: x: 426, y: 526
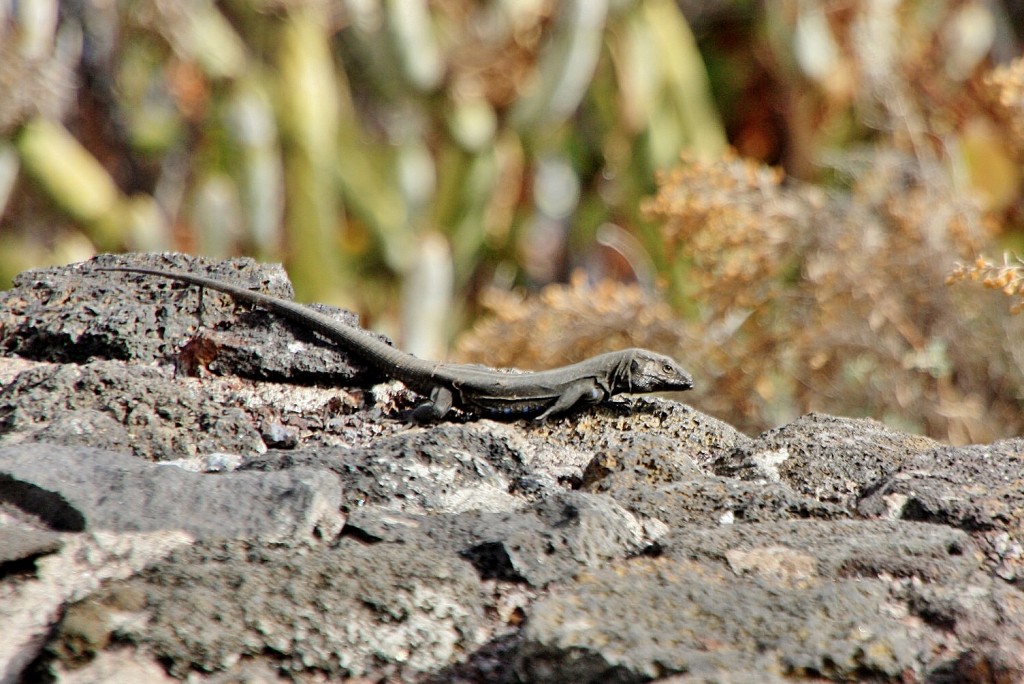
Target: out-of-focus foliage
x: 800, y: 300
x: 349, y: 139
x: 835, y: 302
x: 572, y: 321
x: 795, y: 297
x: 1007, y: 277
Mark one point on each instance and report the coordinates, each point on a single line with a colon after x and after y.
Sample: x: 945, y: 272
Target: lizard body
x: 477, y: 389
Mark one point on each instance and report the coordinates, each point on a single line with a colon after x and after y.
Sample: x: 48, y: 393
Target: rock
x: 844, y: 600
x: 23, y: 543
x: 568, y: 446
x: 31, y: 606
x: 974, y: 488
x: 106, y: 403
x: 341, y: 611
x: 635, y: 540
x: 446, y: 468
x: 651, y: 476
x: 76, y: 314
x: 656, y: 617
x: 638, y: 460
x: 87, y: 489
x: 110, y: 405
x: 824, y: 457
x: 727, y: 676
x: 280, y: 436
x: 979, y: 489
x: 79, y: 427
x: 121, y: 666
x: 833, y: 550
x: 713, y: 501
x: 552, y: 539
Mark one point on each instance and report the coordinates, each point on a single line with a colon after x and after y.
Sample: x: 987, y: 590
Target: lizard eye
x: 668, y: 368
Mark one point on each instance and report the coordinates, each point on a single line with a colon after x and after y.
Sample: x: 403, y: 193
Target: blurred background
x: 815, y: 205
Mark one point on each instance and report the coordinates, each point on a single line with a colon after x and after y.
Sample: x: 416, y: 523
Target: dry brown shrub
x: 850, y: 315
x: 1003, y: 88
x: 798, y: 298
x: 568, y: 323
x: 804, y: 301
x: 1007, y: 277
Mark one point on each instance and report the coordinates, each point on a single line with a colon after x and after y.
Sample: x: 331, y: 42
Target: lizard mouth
x: 680, y: 385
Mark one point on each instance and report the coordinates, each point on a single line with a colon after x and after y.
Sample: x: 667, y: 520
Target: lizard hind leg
x: 434, y: 410
x: 583, y: 391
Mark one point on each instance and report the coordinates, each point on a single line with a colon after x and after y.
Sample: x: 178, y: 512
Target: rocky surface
x: 204, y: 492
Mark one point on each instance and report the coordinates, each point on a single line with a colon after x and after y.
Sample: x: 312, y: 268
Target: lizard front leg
x: 584, y: 390
x: 437, y: 408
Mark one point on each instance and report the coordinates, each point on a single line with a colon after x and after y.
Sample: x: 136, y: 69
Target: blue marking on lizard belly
x: 525, y: 407
x: 517, y: 408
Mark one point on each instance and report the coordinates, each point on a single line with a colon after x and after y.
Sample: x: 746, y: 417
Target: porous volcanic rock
x: 204, y: 492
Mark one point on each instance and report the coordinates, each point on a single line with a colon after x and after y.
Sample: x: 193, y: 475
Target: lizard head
x: 651, y: 372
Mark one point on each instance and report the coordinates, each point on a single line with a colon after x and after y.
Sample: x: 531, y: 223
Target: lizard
x: 476, y: 389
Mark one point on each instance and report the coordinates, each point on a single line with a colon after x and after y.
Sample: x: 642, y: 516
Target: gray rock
x: 975, y: 488
x: 445, y: 468
x: 832, y: 550
x: 31, y: 603
x: 712, y: 501
x: 84, y: 427
x: 638, y: 460
x: 655, y: 617
x: 549, y: 540
x: 75, y: 314
x: 125, y: 666
x: 840, y: 601
x: 346, y: 610
x: 87, y: 489
x: 280, y: 436
x: 828, y: 458
x: 21, y: 543
x: 652, y: 476
x: 975, y: 628
x: 729, y: 676
x: 613, y: 428
x: 163, y: 419
x: 692, y: 552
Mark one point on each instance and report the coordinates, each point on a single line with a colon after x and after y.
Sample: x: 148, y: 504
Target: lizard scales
x: 477, y: 389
